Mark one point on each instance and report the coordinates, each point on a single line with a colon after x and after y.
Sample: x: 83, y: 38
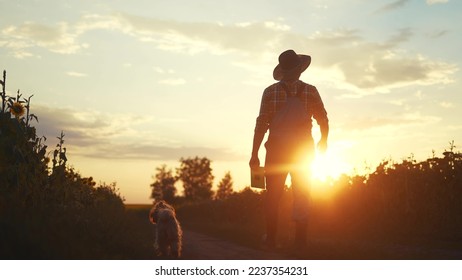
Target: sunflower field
x: 47, y: 209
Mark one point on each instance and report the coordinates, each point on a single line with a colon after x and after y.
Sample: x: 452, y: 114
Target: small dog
x: 168, y: 230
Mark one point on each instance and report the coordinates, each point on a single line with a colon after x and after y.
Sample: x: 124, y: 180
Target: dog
x: 168, y: 241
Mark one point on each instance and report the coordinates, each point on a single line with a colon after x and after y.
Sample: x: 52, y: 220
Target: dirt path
x: 199, y: 246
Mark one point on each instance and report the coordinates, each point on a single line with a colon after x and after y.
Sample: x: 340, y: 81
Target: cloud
x: 56, y: 38
x: 403, y: 35
x: 196, y: 37
x: 437, y: 33
x: 432, y: 2
x: 392, y: 6
x: 156, y: 152
x: 169, y: 35
x: 21, y: 54
x: 368, y: 67
x: 161, y: 70
x: 172, y: 82
x: 76, y: 74
x: 446, y: 105
x: 364, y: 66
x: 350, y: 61
x: 393, y: 122
x: 81, y: 129
x: 99, y: 135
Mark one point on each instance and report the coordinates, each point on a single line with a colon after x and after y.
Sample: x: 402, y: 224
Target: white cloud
x: 76, y: 74
x: 21, y: 54
x: 446, y: 105
x: 117, y: 136
x: 395, y: 122
x: 161, y: 70
x: 195, y: 37
x: 57, y: 38
x: 397, y: 102
x: 364, y: 67
x: 432, y: 2
x: 173, y: 82
x: 277, y: 26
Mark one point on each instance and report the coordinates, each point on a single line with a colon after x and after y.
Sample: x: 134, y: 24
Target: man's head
x: 291, y: 65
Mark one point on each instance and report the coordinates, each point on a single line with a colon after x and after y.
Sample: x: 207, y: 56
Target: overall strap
x: 290, y: 121
x: 299, y: 89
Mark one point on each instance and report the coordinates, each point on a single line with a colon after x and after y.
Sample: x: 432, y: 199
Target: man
x: 287, y: 109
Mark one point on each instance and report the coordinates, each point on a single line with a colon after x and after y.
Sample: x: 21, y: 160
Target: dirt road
x: 199, y: 246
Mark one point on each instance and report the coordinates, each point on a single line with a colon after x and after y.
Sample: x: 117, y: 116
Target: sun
x: 325, y: 169
x: 328, y: 166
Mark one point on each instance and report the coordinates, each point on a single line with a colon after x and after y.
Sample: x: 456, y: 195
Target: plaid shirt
x: 274, y: 98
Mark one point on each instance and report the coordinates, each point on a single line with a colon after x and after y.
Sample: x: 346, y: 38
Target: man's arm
x: 260, y: 130
x: 320, y: 115
x: 257, y: 140
x: 324, y: 127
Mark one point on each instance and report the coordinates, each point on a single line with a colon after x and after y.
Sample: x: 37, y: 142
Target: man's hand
x: 254, y: 162
x: 322, y: 146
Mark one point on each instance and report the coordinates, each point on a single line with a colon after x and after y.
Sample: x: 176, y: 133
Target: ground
x: 198, y: 246
x: 201, y: 246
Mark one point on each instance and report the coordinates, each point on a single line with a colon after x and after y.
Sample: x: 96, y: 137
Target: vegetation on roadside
x: 408, y: 202
x: 53, y: 212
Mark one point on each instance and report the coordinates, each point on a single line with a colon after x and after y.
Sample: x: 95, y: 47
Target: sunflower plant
x: 22, y: 152
x: 56, y: 211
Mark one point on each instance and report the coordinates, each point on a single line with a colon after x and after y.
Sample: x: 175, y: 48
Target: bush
x: 410, y: 201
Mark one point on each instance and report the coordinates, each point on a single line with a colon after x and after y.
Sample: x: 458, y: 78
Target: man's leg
x: 275, y: 187
x: 301, y: 198
x: 275, y: 174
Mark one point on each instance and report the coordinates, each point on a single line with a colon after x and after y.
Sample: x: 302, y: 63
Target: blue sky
x: 135, y: 84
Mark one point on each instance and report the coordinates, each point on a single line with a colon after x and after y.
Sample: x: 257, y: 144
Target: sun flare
x: 328, y: 166
x: 325, y: 169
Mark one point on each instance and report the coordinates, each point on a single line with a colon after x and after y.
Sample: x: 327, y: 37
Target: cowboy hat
x: 290, y: 62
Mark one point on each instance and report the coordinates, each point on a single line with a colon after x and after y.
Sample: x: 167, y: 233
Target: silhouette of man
x: 287, y: 109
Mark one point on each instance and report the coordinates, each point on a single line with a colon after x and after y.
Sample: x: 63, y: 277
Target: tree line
x: 196, y: 178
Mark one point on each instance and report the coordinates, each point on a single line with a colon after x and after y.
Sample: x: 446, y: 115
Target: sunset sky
x: 137, y: 84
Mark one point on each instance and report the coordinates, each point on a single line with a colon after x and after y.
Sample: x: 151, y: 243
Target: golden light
x: 325, y: 169
x: 327, y: 166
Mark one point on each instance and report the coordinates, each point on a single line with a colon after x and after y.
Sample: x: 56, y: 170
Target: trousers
x: 282, y: 159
